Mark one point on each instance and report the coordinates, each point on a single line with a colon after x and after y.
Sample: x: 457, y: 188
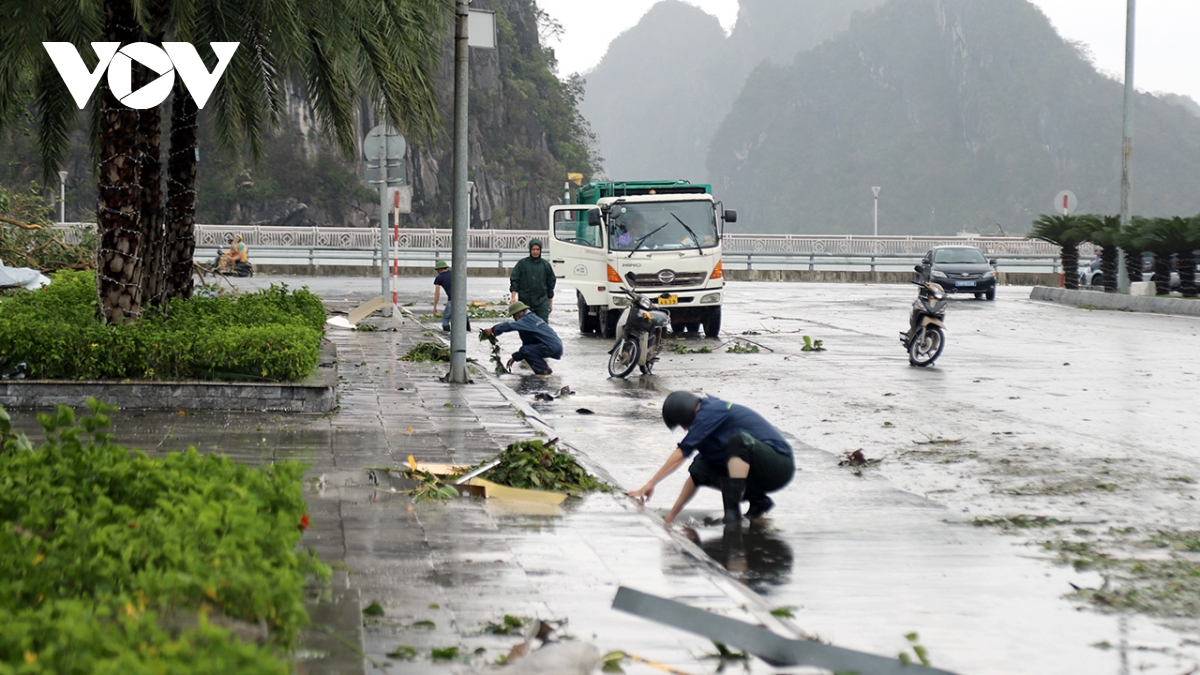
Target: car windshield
x: 661, y: 226
x: 959, y: 256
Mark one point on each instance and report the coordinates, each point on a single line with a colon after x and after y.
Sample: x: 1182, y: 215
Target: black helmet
x: 680, y: 408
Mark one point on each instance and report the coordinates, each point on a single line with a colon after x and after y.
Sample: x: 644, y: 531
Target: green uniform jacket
x: 533, y: 280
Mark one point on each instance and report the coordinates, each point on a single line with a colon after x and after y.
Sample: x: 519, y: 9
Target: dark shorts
x: 769, y: 470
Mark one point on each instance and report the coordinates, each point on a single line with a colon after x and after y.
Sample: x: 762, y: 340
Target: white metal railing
x: 518, y: 240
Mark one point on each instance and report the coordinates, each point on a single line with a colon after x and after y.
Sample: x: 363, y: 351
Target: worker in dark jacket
x: 538, y: 340
x: 737, y: 451
x: 532, y: 281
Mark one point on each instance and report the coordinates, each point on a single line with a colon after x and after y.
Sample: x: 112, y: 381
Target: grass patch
x: 112, y: 560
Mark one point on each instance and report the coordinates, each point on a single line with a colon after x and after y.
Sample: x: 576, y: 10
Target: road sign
x: 1065, y: 202
x: 397, y: 173
x: 400, y: 199
x: 374, y: 142
x: 481, y: 29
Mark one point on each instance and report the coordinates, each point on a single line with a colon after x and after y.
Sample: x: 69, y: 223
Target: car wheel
x: 991, y: 294
x: 979, y: 296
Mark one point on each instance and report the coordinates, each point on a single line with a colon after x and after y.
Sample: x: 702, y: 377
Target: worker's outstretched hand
x: 642, y: 494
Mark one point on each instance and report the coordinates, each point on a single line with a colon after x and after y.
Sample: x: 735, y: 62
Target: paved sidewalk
x: 443, y: 572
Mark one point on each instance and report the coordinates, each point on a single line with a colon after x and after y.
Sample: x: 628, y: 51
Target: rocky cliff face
x: 970, y: 114
x: 525, y: 134
x: 656, y: 98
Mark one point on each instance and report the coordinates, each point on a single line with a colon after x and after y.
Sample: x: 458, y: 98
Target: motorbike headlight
x: 710, y: 299
x: 938, y: 274
x: 938, y: 292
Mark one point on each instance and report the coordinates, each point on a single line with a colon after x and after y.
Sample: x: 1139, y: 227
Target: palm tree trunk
x: 118, y: 257
x: 1162, y: 274
x: 1133, y: 265
x: 1108, y: 268
x: 180, y: 244
x: 1070, y: 261
x: 1187, y: 273
x: 153, y: 259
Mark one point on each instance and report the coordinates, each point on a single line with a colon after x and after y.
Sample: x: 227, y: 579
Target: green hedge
x: 98, y: 544
x: 273, y: 334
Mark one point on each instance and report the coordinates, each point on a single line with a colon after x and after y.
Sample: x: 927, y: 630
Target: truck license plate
x: 964, y: 283
x: 668, y: 299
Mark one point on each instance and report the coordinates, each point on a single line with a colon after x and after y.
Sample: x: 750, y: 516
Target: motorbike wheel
x: 624, y: 357
x: 926, y: 346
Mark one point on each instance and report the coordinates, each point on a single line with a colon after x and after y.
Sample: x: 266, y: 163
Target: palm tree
x: 1131, y: 240
x: 386, y: 49
x: 1172, y: 237
x: 1066, y: 232
x: 1104, y: 231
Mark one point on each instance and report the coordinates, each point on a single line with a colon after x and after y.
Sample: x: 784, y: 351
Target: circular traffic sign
x: 1065, y: 202
x: 377, y: 137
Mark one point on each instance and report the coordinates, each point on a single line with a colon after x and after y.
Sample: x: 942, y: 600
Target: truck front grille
x: 669, y: 279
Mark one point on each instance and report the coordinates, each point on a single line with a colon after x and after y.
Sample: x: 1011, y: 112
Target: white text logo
x: 172, y: 57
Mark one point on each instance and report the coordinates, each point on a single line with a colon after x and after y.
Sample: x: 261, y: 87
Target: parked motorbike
x: 926, y: 325
x: 639, y: 334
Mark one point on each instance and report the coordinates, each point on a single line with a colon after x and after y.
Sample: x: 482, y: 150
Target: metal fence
x: 502, y: 248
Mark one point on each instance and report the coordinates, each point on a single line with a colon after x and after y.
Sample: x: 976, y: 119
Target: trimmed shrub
x: 53, y: 333
x: 112, y: 561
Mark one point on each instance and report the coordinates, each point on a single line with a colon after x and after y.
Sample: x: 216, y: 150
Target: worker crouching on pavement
x: 538, y: 340
x: 738, y: 452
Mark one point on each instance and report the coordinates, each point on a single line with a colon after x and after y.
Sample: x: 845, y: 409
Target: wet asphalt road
x: 1043, y: 404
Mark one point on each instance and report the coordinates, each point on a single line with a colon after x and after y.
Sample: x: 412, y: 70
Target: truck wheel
x: 712, y: 323
x: 587, y: 322
x: 608, y: 322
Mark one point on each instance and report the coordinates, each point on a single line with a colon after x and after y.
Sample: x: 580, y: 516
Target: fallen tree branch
x: 26, y: 226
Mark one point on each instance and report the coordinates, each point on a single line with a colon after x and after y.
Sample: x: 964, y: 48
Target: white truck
x: 666, y: 233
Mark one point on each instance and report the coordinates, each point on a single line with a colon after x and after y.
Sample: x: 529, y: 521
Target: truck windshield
x: 658, y: 226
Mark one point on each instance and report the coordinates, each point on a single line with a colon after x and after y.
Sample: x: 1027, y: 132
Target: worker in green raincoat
x: 532, y: 281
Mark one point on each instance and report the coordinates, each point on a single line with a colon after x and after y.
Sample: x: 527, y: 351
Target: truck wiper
x: 643, y: 240
x: 694, y: 237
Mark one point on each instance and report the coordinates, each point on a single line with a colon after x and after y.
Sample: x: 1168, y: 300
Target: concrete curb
x: 1116, y: 301
x: 315, y: 394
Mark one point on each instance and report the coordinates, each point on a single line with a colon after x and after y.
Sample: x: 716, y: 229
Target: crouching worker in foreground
x: 738, y: 452
x: 538, y: 340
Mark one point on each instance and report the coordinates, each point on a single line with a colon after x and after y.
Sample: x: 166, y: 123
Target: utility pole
x: 462, y: 204
x: 1126, y: 140
x: 876, y: 191
x: 62, y: 198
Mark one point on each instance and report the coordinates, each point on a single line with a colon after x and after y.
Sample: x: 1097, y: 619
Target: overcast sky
x: 1168, y: 50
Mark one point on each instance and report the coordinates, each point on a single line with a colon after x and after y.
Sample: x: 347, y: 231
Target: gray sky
x: 1168, y: 52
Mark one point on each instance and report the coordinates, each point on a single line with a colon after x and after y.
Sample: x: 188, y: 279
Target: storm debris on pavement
x: 562, y: 393
x: 858, y: 461
x: 495, y: 357
x: 427, y: 351
x: 938, y: 440
x: 538, y: 465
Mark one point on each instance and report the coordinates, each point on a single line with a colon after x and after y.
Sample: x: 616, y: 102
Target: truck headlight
x: 620, y: 301
x: 710, y: 299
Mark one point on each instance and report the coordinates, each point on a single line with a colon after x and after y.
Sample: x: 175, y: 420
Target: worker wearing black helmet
x: 737, y: 452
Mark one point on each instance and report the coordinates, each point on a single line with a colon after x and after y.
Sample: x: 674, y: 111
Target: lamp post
x: 1126, y: 139
x: 876, y: 191
x: 62, y: 196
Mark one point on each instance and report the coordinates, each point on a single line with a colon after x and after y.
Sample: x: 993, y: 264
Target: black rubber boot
x: 732, y: 490
x: 759, y: 507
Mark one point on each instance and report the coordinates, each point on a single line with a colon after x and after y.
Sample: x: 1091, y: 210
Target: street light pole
x: 876, y: 191
x: 1126, y: 140
x: 62, y: 196
x: 462, y: 205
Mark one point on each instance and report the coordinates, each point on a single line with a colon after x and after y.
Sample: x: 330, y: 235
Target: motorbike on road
x: 639, y: 334
x: 926, y: 325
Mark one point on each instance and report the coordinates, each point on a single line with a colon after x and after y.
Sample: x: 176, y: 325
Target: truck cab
x: 667, y: 233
